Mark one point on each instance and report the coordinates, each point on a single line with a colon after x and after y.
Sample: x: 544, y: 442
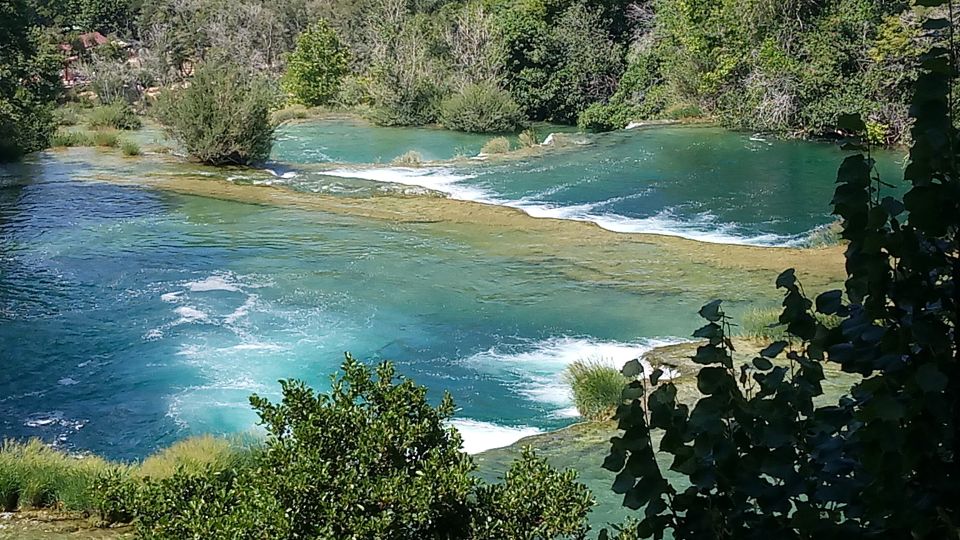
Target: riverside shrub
x: 481, y: 108
x: 370, y: 459
x: 223, y: 116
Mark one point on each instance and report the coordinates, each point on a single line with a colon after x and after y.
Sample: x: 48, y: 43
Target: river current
x: 134, y: 316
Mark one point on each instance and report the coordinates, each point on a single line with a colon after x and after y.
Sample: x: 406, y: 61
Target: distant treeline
x: 785, y: 66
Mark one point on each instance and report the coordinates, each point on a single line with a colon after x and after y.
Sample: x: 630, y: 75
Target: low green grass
x: 763, y: 324
x: 33, y: 476
x: 193, y: 455
x: 496, y: 145
x: 70, y: 139
x: 293, y: 112
x: 597, y: 388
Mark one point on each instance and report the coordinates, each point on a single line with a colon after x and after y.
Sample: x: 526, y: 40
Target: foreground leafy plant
x: 370, y: 459
x: 755, y: 457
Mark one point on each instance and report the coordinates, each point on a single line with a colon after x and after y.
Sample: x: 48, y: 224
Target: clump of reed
x: 70, y: 139
x: 34, y: 475
x: 193, y: 455
x: 597, y: 388
x: 496, y: 145
x: 409, y: 159
x: 117, y: 115
x: 106, y: 138
x: 130, y: 148
x: 529, y: 138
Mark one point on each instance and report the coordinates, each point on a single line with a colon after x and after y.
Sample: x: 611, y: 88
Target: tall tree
x: 29, y: 83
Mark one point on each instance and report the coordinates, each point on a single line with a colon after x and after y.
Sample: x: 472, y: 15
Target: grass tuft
x: 193, y: 455
x: 293, y: 112
x: 497, y: 145
x: 597, y: 388
x: 130, y: 148
x: 763, y: 324
x: 116, y: 115
x: 106, y: 138
x: 70, y: 139
x: 529, y: 138
x: 410, y: 159
x: 33, y: 476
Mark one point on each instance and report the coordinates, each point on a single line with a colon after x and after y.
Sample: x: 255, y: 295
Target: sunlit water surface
x: 131, y: 318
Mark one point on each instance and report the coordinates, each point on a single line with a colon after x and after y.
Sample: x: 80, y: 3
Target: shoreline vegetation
x: 61, y: 507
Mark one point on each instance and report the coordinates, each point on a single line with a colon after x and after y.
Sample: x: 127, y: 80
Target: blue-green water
x: 130, y: 318
x: 697, y: 182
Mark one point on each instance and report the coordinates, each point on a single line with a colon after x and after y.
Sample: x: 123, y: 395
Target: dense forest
x: 790, y: 67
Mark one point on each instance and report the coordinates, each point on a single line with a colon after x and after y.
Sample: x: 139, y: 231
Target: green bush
x: 130, y: 148
x: 354, y: 91
x: 115, y: 497
x: 117, y: 115
x: 223, y: 116
x: 534, y: 501
x: 607, y: 116
x: 370, y: 459
x: 496, y: 145
x: 597, y: 388
x: 481, y: 108
x: 413, y: 104
x: 69, y: 114
x: 316, y: 67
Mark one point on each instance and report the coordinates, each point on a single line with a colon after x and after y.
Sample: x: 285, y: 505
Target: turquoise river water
x: 133, y: 317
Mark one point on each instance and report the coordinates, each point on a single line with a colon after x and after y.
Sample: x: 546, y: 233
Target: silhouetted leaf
x: 711, y: 311
x: 762, y: 363
x: 774, y: 349
x: 632, y: 369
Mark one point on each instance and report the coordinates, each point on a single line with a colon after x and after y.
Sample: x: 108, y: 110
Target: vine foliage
x: 760, y: 455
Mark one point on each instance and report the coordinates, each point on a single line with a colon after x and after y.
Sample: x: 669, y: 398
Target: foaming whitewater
x: 704, y: 227
x: 481, y: 436
x: 537, y: 367
x: 434, y: 178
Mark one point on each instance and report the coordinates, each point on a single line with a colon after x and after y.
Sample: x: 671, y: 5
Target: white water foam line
x: 703, y: 228
x: 437, y: 179
x: 481, y: 436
